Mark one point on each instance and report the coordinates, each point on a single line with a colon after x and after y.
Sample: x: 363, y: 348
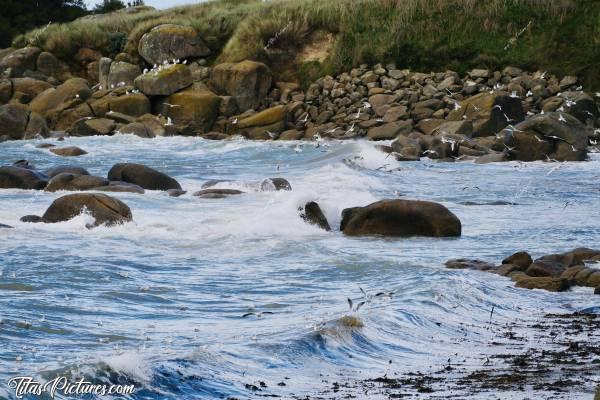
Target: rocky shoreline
x: 550, y: 356
x: 169, y: 89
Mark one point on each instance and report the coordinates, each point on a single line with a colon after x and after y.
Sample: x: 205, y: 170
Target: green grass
x: 562, y: 38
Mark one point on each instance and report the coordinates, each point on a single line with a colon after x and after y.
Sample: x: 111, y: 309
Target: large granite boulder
x: 489, y: 112
x: 264, y: 124
x: 74, y: 88
x: 20, y: 61
x: 554, y: 135
x: 167, y: 42
x: 105, y: 209
x: 122, y: 74
x: 143, y: 176
x: 165, y: 82
x: 133, y: 104
x: 195, y: 107
x: 247, y: 81
x: 93, y: 127
x: 13, y: 120
x: 400, y: 218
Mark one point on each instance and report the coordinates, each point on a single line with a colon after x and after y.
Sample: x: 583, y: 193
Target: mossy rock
x: 166, y: 81
x: 198, y: 108
x: 169, y: 41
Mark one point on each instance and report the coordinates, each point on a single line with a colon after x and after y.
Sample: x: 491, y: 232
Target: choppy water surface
x: 159, y: 301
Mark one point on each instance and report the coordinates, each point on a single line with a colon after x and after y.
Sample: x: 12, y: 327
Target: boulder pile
x: 169, y: 89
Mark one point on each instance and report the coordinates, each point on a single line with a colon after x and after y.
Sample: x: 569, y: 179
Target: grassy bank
x: 561, y: 36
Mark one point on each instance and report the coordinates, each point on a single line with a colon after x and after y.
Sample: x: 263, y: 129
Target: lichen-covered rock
x: 167, y: 42
x: 196, y: 108
x: 489, y: 112
x: 165, y: 82
x: 133, y: 104
x: 555, y: 135
x: 74, y: 88
x: 247, y: 81
x: 122, y: 74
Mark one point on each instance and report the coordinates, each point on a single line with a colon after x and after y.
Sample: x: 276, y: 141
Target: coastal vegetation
x: 561, y: 36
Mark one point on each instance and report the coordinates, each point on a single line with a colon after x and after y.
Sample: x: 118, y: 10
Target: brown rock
x: 71, y: 151
x: 313, y: 214
x: 545, y: 283
x: 248, y: 82
x: 169, y: 80
x: 167, y: 42
x: 74, y: 182
x: 522, y: 259
x: 105, y: 209
x: 400, y: 218
x: 93, y: 127
x: 141, y: 175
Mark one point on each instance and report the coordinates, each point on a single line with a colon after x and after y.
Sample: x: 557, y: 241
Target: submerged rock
x: 105, y: 209
x: 277, y: 184
x: 146, y: 177
x: 551, y: 284
x: 400, y: 218
x: 70, y: 169
x: 21, y: 178
x: 31, y: 219
x: 71, y: 151
x: 74, y: 182
x: 217, y: 193
x: 464, y: 263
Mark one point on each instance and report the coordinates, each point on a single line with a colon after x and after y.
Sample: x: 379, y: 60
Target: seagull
x: 561, y: 109
x: 430, y: 152
x: 298, y: 149
x: 272, y: 135
x: 305, y: 118
x: 172, y: 105
x: 366, y: 104
x: 529, y: 93
x: 77, y: 96
x: 184, y: 62
x: 351, y: 128
x: 498, y: 106
x: 514, y: 94
x: 169, y: 122
x: 145, y: 71
x: 573, y: 148
x: 538, y: 139
x: 593, y: 142
x: 578, y: 88
x: 258, y: 314
x: 457, y: 106
x: 543, y: 75
x: 235, y: 121
x: 561, y: 118
x: 509, y: 148
x: 358, y: 114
